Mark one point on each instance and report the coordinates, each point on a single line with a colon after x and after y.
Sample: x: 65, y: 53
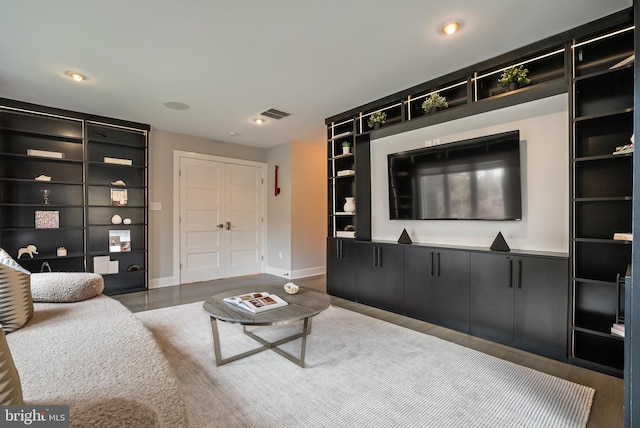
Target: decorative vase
x: 350, y: 205
x: 376, y: 125
x: 512, y: 86
x: 346, y: 150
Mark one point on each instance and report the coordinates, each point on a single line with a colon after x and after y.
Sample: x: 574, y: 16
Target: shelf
x: 604, y: 115
x: 340, y: 136
x: 602, y: 157
x: 598, y: 333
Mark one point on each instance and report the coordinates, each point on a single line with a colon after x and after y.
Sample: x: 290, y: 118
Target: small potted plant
x: 346, y: 147
x: 376, y: 119
x: 434, y: 103
x: 514, y: 77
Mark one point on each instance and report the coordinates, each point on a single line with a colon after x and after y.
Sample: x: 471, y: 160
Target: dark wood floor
x: 606, y: 412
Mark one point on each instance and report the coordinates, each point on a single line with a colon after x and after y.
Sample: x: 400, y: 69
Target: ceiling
x: 231, y: 60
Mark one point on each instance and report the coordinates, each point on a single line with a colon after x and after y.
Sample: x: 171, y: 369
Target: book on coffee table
x: 256, y: 302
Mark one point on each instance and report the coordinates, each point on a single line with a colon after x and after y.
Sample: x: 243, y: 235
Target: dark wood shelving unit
x: 602, y: 189
x: 72, y: 150
x: 587, y: 63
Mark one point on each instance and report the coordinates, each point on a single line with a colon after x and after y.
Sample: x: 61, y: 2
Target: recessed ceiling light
x: 450, y: 28
x: 75, y: 76
x: 259, y: 121
x: 176, y: 105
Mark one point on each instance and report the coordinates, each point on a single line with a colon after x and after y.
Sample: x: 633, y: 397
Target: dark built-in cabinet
x: 379, y: 275
x: 436, y: 286
x: 516, y: 299
x: 602, y: 188
x: 63, y: 176
x: 521, y: 301
x: 593, y: 64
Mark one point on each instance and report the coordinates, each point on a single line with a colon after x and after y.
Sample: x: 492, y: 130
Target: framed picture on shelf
x: 119, y: 241
x: 119, y: 197
x: 47, y: 219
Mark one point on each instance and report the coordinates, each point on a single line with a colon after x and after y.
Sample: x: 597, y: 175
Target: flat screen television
x: 475, y: 179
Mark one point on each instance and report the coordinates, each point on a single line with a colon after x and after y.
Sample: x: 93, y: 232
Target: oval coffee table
x: 301, y: 307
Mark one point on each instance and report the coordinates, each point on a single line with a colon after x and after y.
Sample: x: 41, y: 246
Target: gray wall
x: 296, y: 219
x: 161, y: 147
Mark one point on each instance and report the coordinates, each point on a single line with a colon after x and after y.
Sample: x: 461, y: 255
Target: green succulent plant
x: 346, y: 144
x: 377, y: 117
x: 517, y: 75
x: 434, y: 102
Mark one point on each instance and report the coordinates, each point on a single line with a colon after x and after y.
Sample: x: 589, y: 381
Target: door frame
x: 177, y: 155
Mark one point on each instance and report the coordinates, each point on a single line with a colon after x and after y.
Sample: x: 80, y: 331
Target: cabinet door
x: 436, y: 286
x: 341, y: 271
x: 541, y: 305
x: 379, y: 275
x: 491, y: 283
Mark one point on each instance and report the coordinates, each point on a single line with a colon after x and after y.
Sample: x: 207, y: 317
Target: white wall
x: 544, y: 136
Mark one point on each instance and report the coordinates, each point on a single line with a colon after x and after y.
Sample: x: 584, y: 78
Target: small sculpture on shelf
x: 45, y: 196
x: 43, y: 177
x: 29, y: 249
x: 118, y: 183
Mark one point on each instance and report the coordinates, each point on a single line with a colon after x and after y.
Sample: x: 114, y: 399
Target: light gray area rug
x: 360, y: 372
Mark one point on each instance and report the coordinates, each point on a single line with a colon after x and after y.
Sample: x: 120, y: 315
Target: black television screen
x: 475, y: 179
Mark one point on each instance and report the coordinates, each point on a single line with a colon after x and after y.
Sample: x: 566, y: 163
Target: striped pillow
x: 10, y: 388
x: 16, y: 305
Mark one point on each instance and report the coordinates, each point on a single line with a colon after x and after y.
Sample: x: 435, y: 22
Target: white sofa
x: 97, y: 357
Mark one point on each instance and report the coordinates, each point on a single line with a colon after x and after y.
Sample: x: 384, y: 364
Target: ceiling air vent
x: 274, y: 114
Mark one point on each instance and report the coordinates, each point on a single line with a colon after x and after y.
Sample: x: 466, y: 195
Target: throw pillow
x: 16, y: 306
x: 10, y: 388
x: 65, y: 287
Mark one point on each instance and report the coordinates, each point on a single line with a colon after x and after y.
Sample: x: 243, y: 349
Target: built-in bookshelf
x: 58, y: 172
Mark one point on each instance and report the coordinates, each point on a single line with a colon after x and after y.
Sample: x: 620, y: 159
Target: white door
x: 220, y: 220
x: 243, y: 239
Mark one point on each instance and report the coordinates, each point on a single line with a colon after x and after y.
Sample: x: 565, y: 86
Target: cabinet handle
x: 431, y: 272
x: 375, y: 256
x: 438, y: 266
x: 510, y: 273
x: 379, y: 257
x: 519, y: 273
x: 339, y: 249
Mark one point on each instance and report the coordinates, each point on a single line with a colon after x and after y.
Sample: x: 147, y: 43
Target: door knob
x: 220, y: 226
x: 228, y: 225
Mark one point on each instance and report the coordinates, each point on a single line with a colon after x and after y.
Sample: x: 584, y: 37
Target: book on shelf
x: 45, y: 153
x: 118, y: 161
x: 620, y: 236
x: 119, y: 241
x: 256, y: 302
x: 617, y: 329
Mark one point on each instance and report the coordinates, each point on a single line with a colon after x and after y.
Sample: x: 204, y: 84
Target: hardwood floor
x: 606, y: 412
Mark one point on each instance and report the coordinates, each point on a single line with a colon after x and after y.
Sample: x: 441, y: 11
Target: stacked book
x: 617, y: 329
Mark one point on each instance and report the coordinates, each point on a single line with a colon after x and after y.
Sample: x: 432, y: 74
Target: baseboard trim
x: 301, y: 273
x: 167, y: 281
